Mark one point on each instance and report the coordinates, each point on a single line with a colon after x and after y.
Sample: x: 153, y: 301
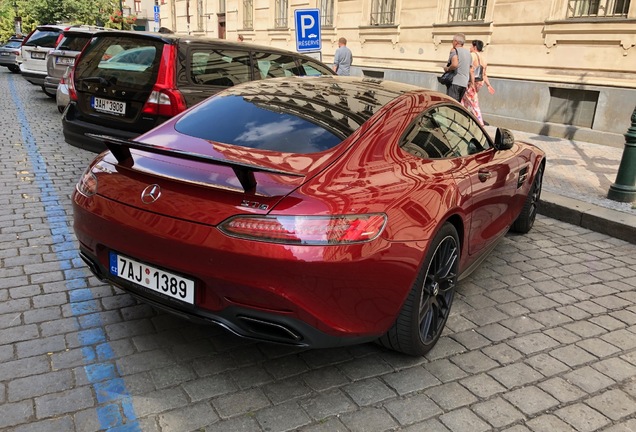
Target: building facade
x: 560, y: 67
x: 143, y: 12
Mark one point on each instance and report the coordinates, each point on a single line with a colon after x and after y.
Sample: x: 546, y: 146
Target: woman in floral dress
x: 478, y: 79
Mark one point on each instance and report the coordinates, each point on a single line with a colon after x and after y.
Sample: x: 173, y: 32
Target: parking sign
x: 308, y: 30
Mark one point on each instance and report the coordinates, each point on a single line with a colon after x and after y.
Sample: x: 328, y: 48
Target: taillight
x: 87, y: 184
x: 306, y: 230
x: 165, y: 100
x: 72, y: 93
x: 59, y: 37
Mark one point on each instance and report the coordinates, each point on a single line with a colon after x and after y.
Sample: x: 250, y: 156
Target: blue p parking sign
x: 308, y: 30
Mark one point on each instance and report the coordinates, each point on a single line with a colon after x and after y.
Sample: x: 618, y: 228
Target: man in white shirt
x: 342, y: 59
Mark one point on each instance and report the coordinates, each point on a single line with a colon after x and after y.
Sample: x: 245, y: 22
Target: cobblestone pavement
x: 542, y: 336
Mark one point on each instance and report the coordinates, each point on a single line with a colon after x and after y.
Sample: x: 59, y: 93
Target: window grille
x: 248, y: 11
x: 383, y: 12
x: 598, y: 8
x: 326, y: 13
x: 467, y: 10
x: 280, y: 20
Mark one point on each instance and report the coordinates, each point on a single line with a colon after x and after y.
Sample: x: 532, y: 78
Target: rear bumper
x: 305, y: 296
x: 51, y: 83
x: 247, y: 323
x: 36, y: 78
x: 9, y: 61
x: 75, y: 131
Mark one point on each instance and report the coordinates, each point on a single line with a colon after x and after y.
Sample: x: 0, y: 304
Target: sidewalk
x: 576, y: 181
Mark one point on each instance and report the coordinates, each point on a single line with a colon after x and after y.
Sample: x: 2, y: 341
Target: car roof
x: 52, y: 27
x: 341, y: 104
x: 174, y: 38
x: 83, y: 29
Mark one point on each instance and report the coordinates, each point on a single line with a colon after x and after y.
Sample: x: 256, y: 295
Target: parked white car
x: 34, y: 50
x: 63, y: 56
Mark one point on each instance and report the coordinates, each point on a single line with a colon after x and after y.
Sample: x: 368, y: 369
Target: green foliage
x: 36, y: 12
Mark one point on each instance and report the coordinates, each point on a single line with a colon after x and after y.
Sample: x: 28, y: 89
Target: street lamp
x: 624, y: 190
x: 121, y: 10
x: 17, y: 21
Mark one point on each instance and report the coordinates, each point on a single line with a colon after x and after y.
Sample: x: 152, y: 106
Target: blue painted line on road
x: 108, y: 385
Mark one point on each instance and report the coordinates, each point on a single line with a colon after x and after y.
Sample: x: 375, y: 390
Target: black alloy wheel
x: 423, y: 316
x: 438, y: 290
x: 526, y: 218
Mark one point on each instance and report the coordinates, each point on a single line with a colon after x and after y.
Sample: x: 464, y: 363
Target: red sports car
x: 314, y: 212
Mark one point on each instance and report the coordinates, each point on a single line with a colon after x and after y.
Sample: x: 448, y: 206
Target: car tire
x: 46, y: 92
x: 427, y: 307
x: 525, y: 220
x: 14, y: 69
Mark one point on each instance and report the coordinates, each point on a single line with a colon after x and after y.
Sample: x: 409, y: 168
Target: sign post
x: 156, y: 12
x: 308, y: 38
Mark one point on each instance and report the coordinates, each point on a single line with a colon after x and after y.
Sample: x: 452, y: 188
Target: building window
x: 137, y: 7
x: 280, y: 21
x: 598, y: 8
x: 383, y: 12
x: 248, y: 11
x: 326, y: 13
x: 221, y: 6
x: 467, y: 10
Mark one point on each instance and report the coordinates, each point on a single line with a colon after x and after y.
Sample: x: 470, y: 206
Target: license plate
x: 38, y: 55
x: 108, y: 106
x: 4, y: 54
x: 150, y: 277
x: 68, y: 61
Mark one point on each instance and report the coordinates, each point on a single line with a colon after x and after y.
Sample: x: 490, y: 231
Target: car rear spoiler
x: 244, y: 172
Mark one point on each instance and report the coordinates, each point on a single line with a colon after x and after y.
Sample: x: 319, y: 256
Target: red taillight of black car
x: 72, y: 93
x: 165, y: 100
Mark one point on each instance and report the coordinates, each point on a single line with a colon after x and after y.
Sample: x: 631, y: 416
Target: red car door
x: 493, y: 182
x: 489, y: 176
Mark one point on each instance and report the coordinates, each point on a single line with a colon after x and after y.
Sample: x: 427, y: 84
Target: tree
x: 36, y: 12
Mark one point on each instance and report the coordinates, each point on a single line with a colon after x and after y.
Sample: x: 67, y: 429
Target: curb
x: 600, y: 219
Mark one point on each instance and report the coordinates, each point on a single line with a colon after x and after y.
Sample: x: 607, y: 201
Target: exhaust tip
x: 269, y: 329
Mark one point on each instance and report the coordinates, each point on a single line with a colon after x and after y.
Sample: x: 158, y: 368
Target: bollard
x: 624, y: 189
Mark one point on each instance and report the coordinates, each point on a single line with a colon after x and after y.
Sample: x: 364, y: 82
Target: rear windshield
x: 125, y: 61
x: 74, y: 42
x: 43, y: 38
x: 260, y: 123
x: 13, y: 44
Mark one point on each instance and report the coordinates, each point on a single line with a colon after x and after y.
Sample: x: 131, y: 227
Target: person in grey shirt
x: 342, y: 59
x: 460, y: 61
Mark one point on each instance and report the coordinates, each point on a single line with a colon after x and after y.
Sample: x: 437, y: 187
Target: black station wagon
x: 126, y: 83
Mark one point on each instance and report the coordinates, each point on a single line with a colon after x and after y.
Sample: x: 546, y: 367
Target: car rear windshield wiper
x: 96, y: 79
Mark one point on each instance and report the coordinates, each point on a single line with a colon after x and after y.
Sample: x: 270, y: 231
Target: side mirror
x: 504, y: 139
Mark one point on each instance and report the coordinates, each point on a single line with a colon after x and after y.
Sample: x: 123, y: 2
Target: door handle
x: 484, y: 175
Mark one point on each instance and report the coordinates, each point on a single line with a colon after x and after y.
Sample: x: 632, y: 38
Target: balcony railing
x: 598, y: 8
x: 383, y: 12
x: 467, y: 10
x: 383, y: 18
